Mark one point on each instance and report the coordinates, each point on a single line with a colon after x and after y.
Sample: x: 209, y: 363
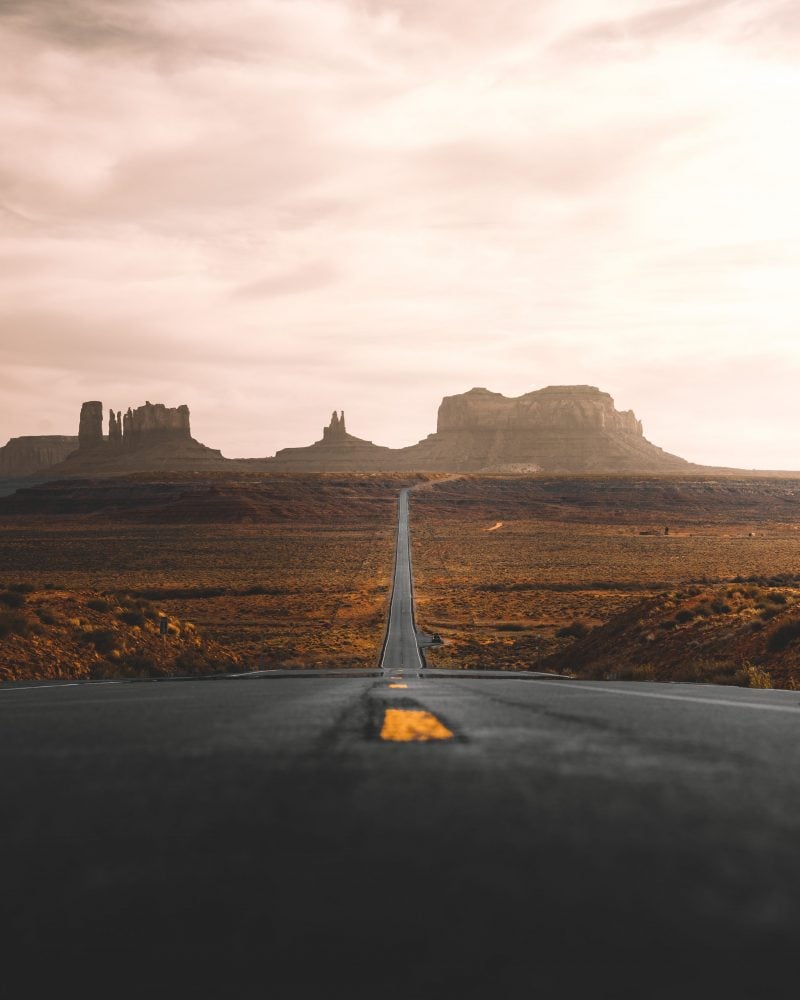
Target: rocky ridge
x: 23, y: 456
x: 558, y: 429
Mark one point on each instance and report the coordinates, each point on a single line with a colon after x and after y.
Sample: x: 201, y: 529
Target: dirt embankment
x: 745, y: 633
x: 53, y: 633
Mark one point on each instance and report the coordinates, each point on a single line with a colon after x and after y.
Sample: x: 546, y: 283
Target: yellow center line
x: 398, y: 685
x: 403, y: 725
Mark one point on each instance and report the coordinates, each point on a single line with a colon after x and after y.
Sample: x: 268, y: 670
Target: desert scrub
x: 14, y: 623
x: 98, y: 604
x: 138, y: 665
x: 750, y: 675
x: 637, y: 672
x: 12, y: 598
x: 576, y: 630
x: 783, y: 636
x: 105, y: 641
x: 133, y: 617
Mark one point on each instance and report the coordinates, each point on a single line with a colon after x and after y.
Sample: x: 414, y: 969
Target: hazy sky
x: 270, y: 208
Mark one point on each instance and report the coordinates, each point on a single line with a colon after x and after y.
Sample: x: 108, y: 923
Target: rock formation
x: 115, y: 429
x: 154, y: 423
x: 559, y: 429
x: 23, y: 456
x: 90, y: 428
x: 572, y: 429
x: 337, y: 451
x: 152, y: 437
x: 336, y: 430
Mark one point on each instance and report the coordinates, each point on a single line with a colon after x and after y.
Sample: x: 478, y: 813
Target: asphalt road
x: 257, y: 837
x: 400, y: 650
x: 399, y: 833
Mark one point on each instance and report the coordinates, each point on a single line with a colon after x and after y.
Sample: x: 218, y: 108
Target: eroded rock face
x: 336, y: 430
x: 114, y: 428
x: 23, y: 456
x: 558, y: 407
x: 337, y: 451
x: 152, y: 437
x: 562, y: 428
x: 90, y: 428
x: 154, y: 422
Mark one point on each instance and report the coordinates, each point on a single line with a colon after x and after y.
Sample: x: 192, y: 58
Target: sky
x: 268, y: 209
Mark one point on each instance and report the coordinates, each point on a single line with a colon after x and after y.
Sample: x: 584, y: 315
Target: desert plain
x: 629, y: 577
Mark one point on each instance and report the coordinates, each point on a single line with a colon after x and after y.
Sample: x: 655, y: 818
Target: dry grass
x: 518, y: 596
x: 306, y: 585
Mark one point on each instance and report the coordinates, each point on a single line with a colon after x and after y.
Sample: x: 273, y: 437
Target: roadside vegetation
x: 50, y: 633
x: 305, y: 584
x: 604, y: 594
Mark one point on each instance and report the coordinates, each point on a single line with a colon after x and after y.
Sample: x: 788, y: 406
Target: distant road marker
x: 398, y: 685
x: 404, y: 725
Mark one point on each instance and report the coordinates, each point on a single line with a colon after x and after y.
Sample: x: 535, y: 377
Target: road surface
x: 277, y: 836
x: 400, y: 652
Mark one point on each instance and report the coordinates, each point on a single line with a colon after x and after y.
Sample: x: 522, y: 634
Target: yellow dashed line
x: 398, y: 685
x: 402, y: 725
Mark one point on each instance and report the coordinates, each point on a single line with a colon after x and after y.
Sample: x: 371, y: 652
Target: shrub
x: 577, y: 630
x: 684, y: 615
x: 752, y: 676
x: 22, y: 588
x: 141, y: 665
x: 12, y: 599
x: 98, y: 604
x: 783, y: 636
x: 104, y: 640
x: 13, y: 623
x: 192, y: 662
x: 133, y: 617
x: 46, y: 618
x: 637, y: 672
x: 720, y: 607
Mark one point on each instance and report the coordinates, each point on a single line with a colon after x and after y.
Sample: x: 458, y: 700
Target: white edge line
x: 580, y: 686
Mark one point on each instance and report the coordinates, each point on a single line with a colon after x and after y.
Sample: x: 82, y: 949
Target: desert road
x: 281, y: 836
x: 400, y: 650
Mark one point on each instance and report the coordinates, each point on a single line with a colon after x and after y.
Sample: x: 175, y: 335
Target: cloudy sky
x: 270, y: 208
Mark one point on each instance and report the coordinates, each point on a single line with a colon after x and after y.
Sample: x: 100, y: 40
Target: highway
x: 400, y: 652
x: 400, y: 833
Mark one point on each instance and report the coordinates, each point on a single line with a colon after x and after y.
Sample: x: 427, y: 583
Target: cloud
x: 268, y: 209
x: 304, y: 278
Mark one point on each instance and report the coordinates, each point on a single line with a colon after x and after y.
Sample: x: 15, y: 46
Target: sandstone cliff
x: 571, y: 429
x: 23, y: 456
x: 559, y: 429
x: 152, y: 437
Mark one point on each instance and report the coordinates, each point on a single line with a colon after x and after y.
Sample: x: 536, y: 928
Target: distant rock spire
x: 90, y: 428
x: 335, y: 430
x: 114, y: 429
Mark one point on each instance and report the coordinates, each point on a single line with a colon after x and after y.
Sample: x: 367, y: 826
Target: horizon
x: 278, y: 210
x: 335, y: 413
